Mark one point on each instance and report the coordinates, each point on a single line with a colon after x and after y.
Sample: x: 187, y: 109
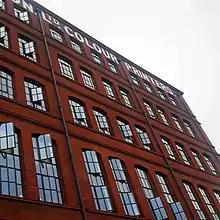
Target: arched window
x: 97, y: 181
x: 10, y: 167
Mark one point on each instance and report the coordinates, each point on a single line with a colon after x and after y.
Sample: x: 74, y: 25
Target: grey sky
x: 177, y: 40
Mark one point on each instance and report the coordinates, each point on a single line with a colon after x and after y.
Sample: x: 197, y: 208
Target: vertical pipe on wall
x: 79, y: 192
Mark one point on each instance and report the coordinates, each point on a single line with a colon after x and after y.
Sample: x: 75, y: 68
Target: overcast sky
x: 176, y: 40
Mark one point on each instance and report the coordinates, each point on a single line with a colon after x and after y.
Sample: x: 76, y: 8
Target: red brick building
x: 87, y: 134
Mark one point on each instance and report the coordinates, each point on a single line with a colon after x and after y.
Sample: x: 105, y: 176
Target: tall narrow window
x: 10, y: 168
x: 208, y: 203
x: 150, y: 109
x: 4, y: 41
x: 189, y: 128
x: 109, y: 89
x: 22, y: 14
x: 125, y: 130
x: 173, y: 100
x: 112, y: 67
x: 198, y: 160
x: 165, y: 189
x: 2, y: 4
x: 87, y: 79
x: 76, y: 46
x: 126, y: 96
x: 210, y: 165
x: 143, y: 137
x: 168, y: 147
x: 194, y: 201
x: 182, y: 153
x: 163, y: 116
x: 66, y: 68
x: 162, y: 94
x: 148, y: 86
x: 27, y: 48
x: 125, y: 192
x: 78, y: 112
x: 6, y: 87
x: 177, y: 123
x: 97, y: 181
x: 217, y: 196
x: 34, y: 95
x: 96, y: 57
x: 47, y: 170
x: 102, y: 121
x: 134, y: 80
x: 55, y: 34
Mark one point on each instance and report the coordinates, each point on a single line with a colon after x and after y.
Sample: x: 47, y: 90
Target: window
x: 165, y: 188
x: 158, y: 208
x: 182, y: 153
x: 66, y: 68
x: 125, y: 130
x: 112, y: 67
x: 10, y: 168
x: 167, y: 145
x: 148, y: 86
x: 76, y: 46
x: 194, y: 201
x: 102, y: 121
x: 156, y: 203
x: 2, y: 4
x: 145, y: 183
x: 27, y: 48
x: 198, y: 160
x: 163, y: 116
x: 217, y: 195
x: 134, y: 79
x: 126, y: 195
x: 144, y: 137
x: 78, y: 112
x: 34, y: 95
x: 177, y: 123
x: 208, y: 203
x: 46, y: 167
x: 56, y: 35
x: 97, y: 182
x: 109, y: 89
x: 150, y: 109
x: 126, y: 97
x: 189, y: 128
x: 4, y: 41
x: 6, y: 87
x: 22, y: 14
x: 173, y: 100
x: 161, y: 94
x: 96, y: 57
x: 87, y: 79
x: 210, y: 165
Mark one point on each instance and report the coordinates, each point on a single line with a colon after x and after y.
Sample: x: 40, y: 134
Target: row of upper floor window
x: 35, y: 97
x: 28, y: 49
x: 51, y: 186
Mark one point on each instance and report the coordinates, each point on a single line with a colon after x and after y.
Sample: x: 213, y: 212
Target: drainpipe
x: 79, y: 192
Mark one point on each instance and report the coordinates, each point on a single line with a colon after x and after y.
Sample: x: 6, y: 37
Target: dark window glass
x: 97, y: 181
x: 150, y: 109
x: 34, y: 95
x: 148, y: 87
x: 198, y: 160
x: 134, y: 80
x: 2, y: 5
x: 182, y: 153
x: 97, y: 57
x: 47, y: 170
x: 189, y: 129
x: 102, y: 121
x: 4, y: 36
x: 126, y: 97
x: 144, y: 137
x: 66, y: 68
x: 163, y: 116
x: 173, y: 100
x: 168, y: 147
x: 126, y: 131
x: 27, y: 48
x: 87, y: 79
x: 22, y: 14
x: 112, y: 67
x: 76, y: 46
x: 6, y: 87
x: 126, y: 195
x: 56, y: 35
x: 162, y: 94
x: 210, y: 164
x: 177, y: 123
x: 109, y: 89
x: 10, y: 168
x: 78, y: 112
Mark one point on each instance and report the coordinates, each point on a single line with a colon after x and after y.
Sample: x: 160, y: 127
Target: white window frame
x: 22, y: 15
x: 66, y: 68
x: 4, y: 37
x: 87, y: 77
x: 150, y: 110
x: 56, y: 35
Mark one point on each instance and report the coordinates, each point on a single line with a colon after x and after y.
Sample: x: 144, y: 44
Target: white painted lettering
x: 97, y: 48
x: 44, y: 17
x: 106, y: 53
x: 69, y: 31
x: 87, y: 42
x: 28, y: 6
x: 17, y: 1
x: 114, y: 58
x: 79, y: 37
x: 128, y: 66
